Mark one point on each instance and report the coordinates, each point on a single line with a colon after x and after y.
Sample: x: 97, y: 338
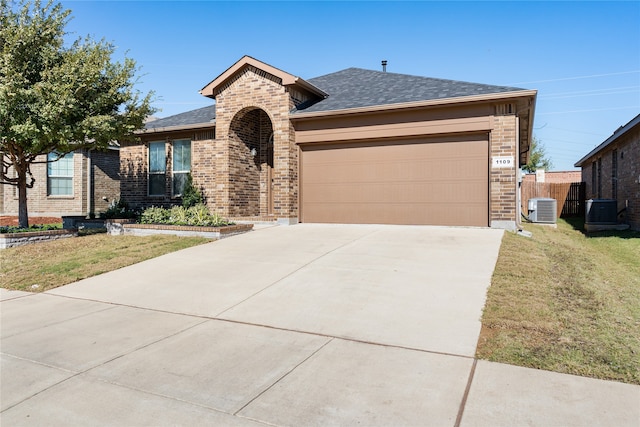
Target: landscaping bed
x: 11, y: 220
x: 10, y: 240
x: 41, y: 229
x: 178, y: 220
x: 118, y: 227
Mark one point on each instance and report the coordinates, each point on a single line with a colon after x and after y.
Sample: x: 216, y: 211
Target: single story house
x: 354, y: 146
x: 612, y: 171
x: 79, y: 184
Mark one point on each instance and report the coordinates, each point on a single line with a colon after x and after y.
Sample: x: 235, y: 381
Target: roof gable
x: 622, y: 130
x: 358, y: 88
x: 211, y: 89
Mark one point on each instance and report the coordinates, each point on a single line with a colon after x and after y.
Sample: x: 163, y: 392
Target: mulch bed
x: 33, y: 220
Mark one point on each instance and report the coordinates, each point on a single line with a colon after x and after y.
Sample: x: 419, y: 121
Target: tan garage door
x: 437, y: 182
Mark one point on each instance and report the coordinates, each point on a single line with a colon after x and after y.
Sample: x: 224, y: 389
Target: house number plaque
x: 503, y: 162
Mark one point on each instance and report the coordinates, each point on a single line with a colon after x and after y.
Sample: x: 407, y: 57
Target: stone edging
x: 10, y: 240
x: 118, y: 227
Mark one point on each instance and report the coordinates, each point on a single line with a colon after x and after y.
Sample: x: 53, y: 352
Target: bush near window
x: 197, y: 215
x: 119, y: 209
x: 191, y: 196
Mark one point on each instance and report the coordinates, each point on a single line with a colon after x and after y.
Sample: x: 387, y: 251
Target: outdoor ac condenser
x: 542, y: 210
x: 601, y: 211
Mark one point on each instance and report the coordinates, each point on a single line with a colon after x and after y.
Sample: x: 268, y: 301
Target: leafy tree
x: 537, y: 157
x: 56, y: 98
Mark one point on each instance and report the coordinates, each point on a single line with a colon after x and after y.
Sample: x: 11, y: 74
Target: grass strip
x: 566, y: 302
x: 47, y: 265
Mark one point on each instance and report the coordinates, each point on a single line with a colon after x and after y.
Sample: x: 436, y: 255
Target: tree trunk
x: 23, y: 214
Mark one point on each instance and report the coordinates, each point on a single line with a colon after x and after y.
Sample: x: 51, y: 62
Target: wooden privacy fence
x: 569, y: 195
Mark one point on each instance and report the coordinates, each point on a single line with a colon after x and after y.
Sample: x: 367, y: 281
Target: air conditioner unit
x: 601, y: 211
x: 542, y: 210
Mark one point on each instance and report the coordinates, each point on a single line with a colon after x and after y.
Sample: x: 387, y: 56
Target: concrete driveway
x: 303, y: 325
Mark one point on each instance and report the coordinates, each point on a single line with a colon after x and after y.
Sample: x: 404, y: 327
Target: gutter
x: 414, y: 104
x: 211, y: 124
x: 311, y: 88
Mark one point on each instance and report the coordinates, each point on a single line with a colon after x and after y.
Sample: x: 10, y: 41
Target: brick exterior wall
x: 503, y: 197
x: 134, y: 166
x: 250, y: 107
x: 253, y: 90
x: 245, y: 179
x: 556, y: 176
x: 627, y: 153
x: 104, y: 181
x: 133, y: 174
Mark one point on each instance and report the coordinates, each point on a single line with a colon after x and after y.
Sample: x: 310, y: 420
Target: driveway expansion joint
x: 260, y: 325
x: 286, y: 374
x: 465, y: 396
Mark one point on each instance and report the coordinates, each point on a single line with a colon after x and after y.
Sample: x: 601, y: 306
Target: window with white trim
x: 157, y: 168
x: 181, y: 165
x: 60, y: 175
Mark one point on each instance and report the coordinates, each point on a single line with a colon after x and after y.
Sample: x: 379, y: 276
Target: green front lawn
x: 47, y: 265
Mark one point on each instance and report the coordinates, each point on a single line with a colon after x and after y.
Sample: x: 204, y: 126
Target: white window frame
x: 56, y: 174
x: 162, y: 172
x: 175, y: 172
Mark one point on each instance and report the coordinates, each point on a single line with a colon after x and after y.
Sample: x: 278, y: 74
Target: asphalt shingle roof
x: 356, y: 87
x: 201, y: 115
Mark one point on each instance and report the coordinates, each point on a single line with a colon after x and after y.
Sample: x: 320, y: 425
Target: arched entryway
x: 251, y: 163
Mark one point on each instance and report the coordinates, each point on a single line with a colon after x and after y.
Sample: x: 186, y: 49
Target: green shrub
x: 197, y: 215
x: 191, y: 196
x: 36, y: 227
x: 155, y: 215
x: 178, y: 215
x: 119, y: 209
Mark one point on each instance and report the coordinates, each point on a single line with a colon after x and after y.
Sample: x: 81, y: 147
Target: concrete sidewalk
x: 304, y: 325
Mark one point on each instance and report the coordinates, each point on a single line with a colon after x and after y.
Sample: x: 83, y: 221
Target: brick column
x: 503, y: 180
x: 247, y: 91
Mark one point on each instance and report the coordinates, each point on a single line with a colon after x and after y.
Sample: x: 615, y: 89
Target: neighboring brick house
x: 82, y: 183
x: 612, y: 171
x: 355, y: 146
x: 554, y: 177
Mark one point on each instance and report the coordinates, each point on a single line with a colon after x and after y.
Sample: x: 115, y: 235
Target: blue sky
x: 582, y: 57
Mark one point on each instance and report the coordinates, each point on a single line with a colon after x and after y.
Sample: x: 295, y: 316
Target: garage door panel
x: 450, y: 192
x: 443, y: 183
x: 380, y: 213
